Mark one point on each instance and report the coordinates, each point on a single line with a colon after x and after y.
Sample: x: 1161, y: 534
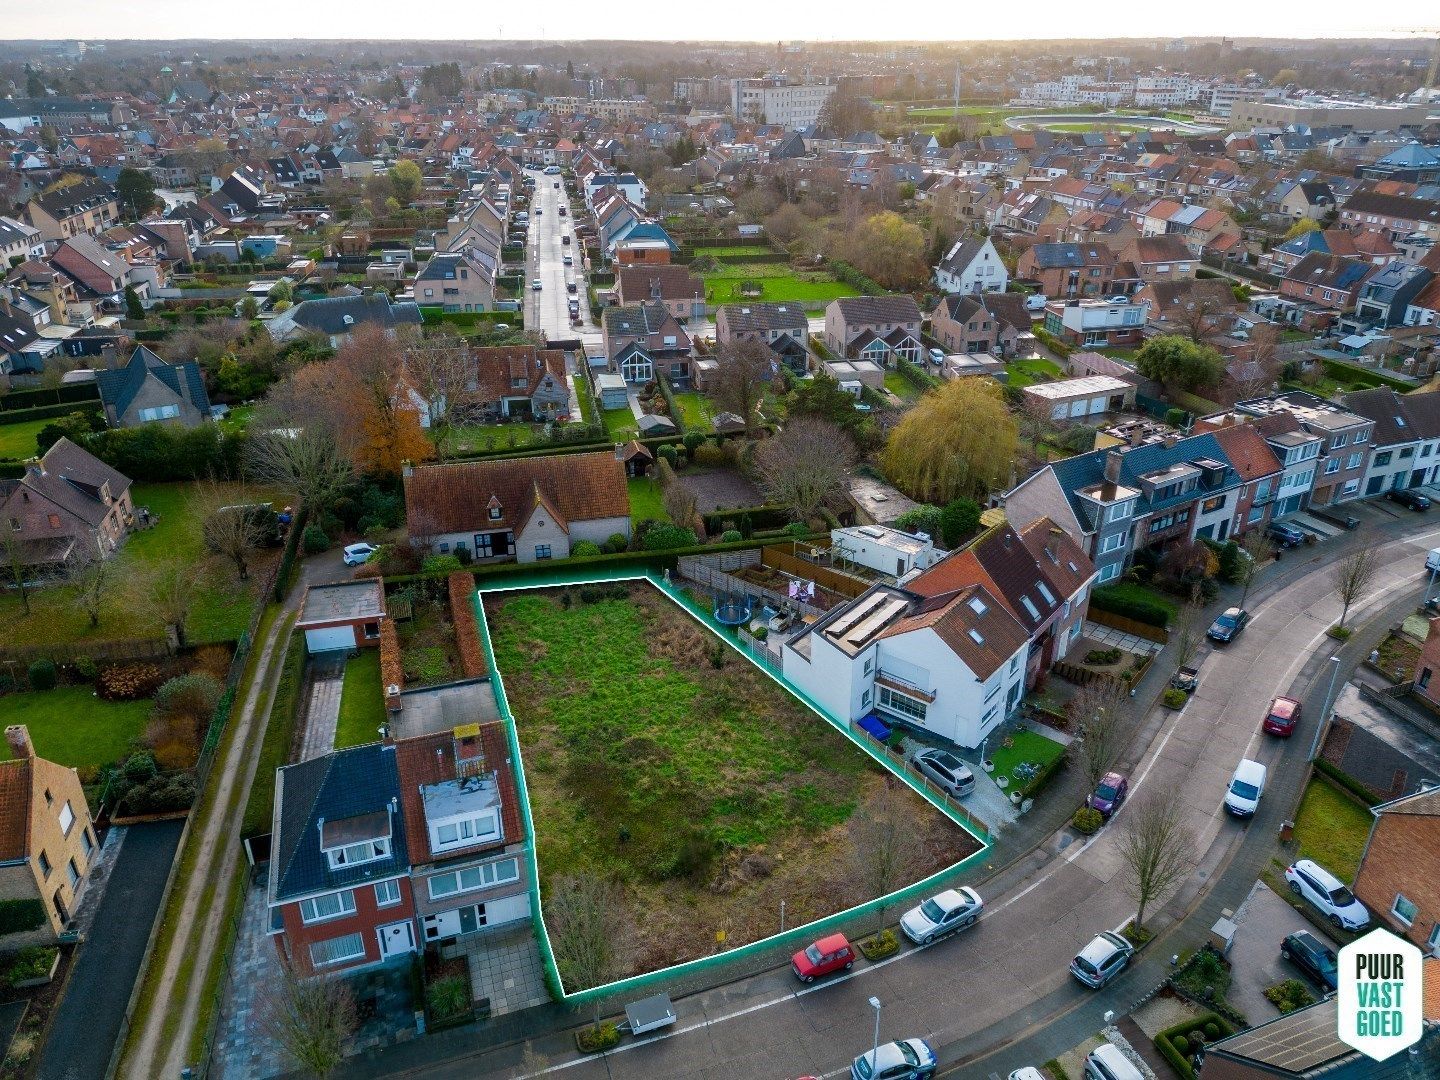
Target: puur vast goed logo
x: 1380, y: 1004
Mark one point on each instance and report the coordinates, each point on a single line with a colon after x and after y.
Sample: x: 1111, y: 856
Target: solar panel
x: 1297, y: 1042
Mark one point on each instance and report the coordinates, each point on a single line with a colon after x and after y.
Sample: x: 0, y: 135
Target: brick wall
x: 367, y: 919
x: 1403, y: 856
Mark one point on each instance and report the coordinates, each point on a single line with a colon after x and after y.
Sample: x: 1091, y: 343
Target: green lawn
x: 1331, y: 828
x: 471, y: 437
x: 620, y: 423
x: 1037, y: 369
x: 1026, y: 746
x: 696, y: 412
x: 279, y: 733
x: 1099, y: 125
x: 900, y: 386
x: 732, y: 249
x: 71, y: 726
x: 18, y: 440
x: 362, y: 705
x: 778, y: 283
x: 645, y: 500
x: 222, y: 603
x: 237, y: 419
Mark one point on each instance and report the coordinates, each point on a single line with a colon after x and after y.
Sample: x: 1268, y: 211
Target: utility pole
x: 1325, y: 712
x: 957, y: 94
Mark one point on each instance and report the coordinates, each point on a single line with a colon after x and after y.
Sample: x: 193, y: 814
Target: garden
x: 660, y: 760
x: 362, y: 707
x: 776, y: 283
x: 1331, y: 827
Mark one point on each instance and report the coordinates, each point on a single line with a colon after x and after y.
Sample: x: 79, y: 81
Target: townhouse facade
x: 1096, y: 323
x: 874, y: 328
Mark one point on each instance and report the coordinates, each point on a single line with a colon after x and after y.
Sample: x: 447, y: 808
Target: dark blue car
x: 1313, y: 957
x: 1285, y: 534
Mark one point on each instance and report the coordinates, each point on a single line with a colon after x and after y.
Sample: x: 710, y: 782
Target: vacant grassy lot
x: 18, y: 440
x: 362, y: 708
x: 900, y: 386
x: 1331, y: 828
x: 71, y: 726
x: 645, y: 500
x: 777, y: 283
x: 707, y: 790
x: 222, y: 602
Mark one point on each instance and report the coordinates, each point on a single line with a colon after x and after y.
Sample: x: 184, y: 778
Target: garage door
x: 507, y: 909
x: 330, y: 637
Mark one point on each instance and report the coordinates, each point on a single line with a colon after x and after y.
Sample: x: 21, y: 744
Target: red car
x: 828, y: 954
x: 1284, y: 714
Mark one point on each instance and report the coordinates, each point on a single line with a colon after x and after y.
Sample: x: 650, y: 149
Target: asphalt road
x: 548, y: 309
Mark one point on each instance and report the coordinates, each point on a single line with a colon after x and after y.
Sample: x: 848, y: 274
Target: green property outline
x: 807, y: 931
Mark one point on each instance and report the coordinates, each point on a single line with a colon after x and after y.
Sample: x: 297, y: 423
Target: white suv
x: 1329, y: 895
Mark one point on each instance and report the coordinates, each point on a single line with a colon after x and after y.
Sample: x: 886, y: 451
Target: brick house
x: 645, y: 340
x: 1347, y: 440
x: 1427, y: 685
x: 466, y: 840
x: 46, y: 841
x: 339, y: 879
x: 1068, y: 270
x: 527, y: 509
x: 146, y: 389
x: 68, y: 504
x: 1095, y: 323
x: 874, y: 328
x: 522, y: 379
x: 1395, y: 216
x: 1160, y: 258
x: 1399, y: 875
x: 785, y: 328
x: 458, y: 280
x: 344, y: 615
x: 1326, y: 282
x: 681, y: 292
x: 963, y: 325
x: 88, y: 206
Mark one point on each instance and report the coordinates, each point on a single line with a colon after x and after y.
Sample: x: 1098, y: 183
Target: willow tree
x: 957, y: 441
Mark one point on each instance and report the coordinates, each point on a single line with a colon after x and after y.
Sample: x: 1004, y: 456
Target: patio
x: 505, y: 967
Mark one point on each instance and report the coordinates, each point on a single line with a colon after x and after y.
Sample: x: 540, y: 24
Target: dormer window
x: 357, y: 840
x: 355, y: 854
x: 494, y: 508
x: 463, y: 832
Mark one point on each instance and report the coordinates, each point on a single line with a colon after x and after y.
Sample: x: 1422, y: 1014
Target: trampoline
x: 731, y: 610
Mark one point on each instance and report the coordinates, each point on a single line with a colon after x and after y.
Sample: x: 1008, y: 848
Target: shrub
x: 1175, y: 417
x: 437, y: 564
x: 693, y: 440
x: 42, y: 675
x: 593, y: 1040
x: 1212, y: 1030
x: 617, y: 542
x: 1340, y: 633
x: 747, y: 527
x: 128, y: 682
x: 1150, y: 612
x: 314, y: 540
x: 1103, y: 656
x: 448, y: 997
x: 958, y: 520
x: 711, y: 457
x: 1173, y: 698
x: 18, y: 916
x: 1087, y: 820
x: 664, y: 537
x: 924, y: 519
x: 584, y: 547
x: 1289, y: 995
x: 798, y: 529
x: 32, y: 962
x: 85, y: 669
x: 668, y: 454
x: 1181, y: 1044
x: 730, y: 536
x: 880, y: 946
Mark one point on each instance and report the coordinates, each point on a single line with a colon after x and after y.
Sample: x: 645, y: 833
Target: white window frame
x: 387, y: 893
x: 329, y: 961
x: 469, y: 830
x: 340, y: 857
x: 1395, y: 909
x: 67, y: 818
x: 1106, y: 546
x: 344, y: 906
x: 474, y: 878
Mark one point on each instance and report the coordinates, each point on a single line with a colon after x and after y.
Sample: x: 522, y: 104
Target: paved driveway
x: 88, y: 1020
x: 1264, y: 920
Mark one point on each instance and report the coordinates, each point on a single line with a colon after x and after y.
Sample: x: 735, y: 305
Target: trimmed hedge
x: 1346, y: 781
x: 1180, y: 1061
x: 1045, y: 774
x: 1363, y: 377
x: 1103, y: 598
x: 19, y: 916
x: 769, y: 516
x: 46, y: 412
x: 19, y: 400
x: 843, y: 271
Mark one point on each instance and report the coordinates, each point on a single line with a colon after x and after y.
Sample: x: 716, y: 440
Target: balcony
x: 904, y: 686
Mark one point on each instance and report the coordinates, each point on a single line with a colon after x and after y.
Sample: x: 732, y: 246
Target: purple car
x: 1108, y: 794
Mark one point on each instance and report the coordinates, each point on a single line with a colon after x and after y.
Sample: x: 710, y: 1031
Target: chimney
x: 1137, y: 435
x: 1171, y: 440
x: 1113, y: 461
x: 18, y: 736
x: 469, y: 752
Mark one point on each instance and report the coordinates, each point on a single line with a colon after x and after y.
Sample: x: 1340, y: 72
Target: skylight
x: 1045, y: 592
x: 975, y: 637
x: 978, y: 606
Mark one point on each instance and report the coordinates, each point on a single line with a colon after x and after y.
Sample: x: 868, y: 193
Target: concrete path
x: 322, y: 709
x: 1031, y: 1008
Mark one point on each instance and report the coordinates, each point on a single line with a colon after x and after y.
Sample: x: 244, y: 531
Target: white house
x: 951, y: 665
x: 889, y: 551
x: 972, y: 265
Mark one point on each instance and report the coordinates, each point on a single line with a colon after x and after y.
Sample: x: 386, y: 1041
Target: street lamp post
x: 1325, y: 712
x: 875, y: 1045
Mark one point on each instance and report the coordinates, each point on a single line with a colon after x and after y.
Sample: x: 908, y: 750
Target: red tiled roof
x: 430, y: 759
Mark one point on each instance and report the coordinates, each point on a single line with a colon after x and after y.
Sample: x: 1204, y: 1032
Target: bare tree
x: 1189, y: 633
x: 805, y: 466
x: 310, y: 1019
x: 1096, y: 710
x: 17, y: 568
x: 1352, y: 577
x: 679, y: 502
x: 1256, y: 547
x: 170, y: 589
x: 1199, y: 319
x: 440, y: 369
x: 1156, y: 848
x: 745, y: 368
x: 1257, y: 374
x: 231, y: 524
x: 307, y: 461
x: 884, y: 841
x: 590, y: 932
x: 89, y: 577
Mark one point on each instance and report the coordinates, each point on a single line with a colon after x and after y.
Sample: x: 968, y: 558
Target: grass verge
x: 362, y: 706
x: 1331, y: 828
x: 279, y: 736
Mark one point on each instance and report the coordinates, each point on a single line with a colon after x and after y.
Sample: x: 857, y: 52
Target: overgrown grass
x: 777, y: 283
x: 1026, y: 746
x: 18, y: 440
x: 362, y: 704
x: 646, y: 500
x: 1331, y: 828
x: 71, y: 726
x: 279, y: 735
x: 471, y: 437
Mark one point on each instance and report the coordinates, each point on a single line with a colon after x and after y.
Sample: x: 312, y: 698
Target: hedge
x: 1346, y: 781
x: 1164, y: 1041
x: 48, y: 412
x: 1104, y: 598
x: 915, y: 375
x: 1045, y: 774
x: 28, y: 399
x: 669, y: 395
x: 1364, y: 377
x: 770, y: 516
x: 1053, y: 343
x: 19, y: 916
x: 843, y: 271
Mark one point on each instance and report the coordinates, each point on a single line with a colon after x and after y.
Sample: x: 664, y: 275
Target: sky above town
x: 846, y: 20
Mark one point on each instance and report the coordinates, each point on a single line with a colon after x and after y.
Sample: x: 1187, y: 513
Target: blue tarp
x: 876, y: 728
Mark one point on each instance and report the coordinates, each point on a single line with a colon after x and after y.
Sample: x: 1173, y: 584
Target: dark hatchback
x: 1228, y: 626
x: 1313, y: 957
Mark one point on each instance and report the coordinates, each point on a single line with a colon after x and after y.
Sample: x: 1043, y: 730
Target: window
x: 1434, y: 940
x: 1353, y: 461
x: 865, y: 700
x: 67, y: 819
x: 901, y: 703
x: 1112, y: 542
x: 869, y: 663
x: 73, y: 873
x: 1383, y: 457
x: 470, y: 830
x: 542, y: 551
x: 1332, y: 465
x: 337, y: 950
x: 1212, y: 504
x: 485, y: 876
x: 1109, y: 573
x: 331, y: 906
x: 160, y: 412
x: 363, y: 852
x: 387, y: 893
x: 1120, y: 511
x: 45, y: 866
x: 1362, y: 436
x: 1339, y: 441
x: 977, y: 605
x: 1404, y: 909
x: 87, y: 842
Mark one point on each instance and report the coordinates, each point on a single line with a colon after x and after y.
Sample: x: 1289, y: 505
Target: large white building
x: 773, y: 100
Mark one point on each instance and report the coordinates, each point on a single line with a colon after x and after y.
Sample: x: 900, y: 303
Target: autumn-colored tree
x: 889, y: 249
x: 957, y: 441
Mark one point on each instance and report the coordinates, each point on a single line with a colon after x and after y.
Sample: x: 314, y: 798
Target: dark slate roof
x: 1064, y: 255
x: 1086, y: 470
x: 118, y: 386
x: 745, y: 318
x: 869, y: 309
x: 962, y: 254
x: 327, y: 314
x: 339, y: 785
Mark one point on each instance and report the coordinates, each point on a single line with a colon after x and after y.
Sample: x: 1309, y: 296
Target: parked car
x: 567, y: 261
x: 1109, y: 793
x: 829, y: 954
x: 943, y: 913
x: 1327, y: 893
x: 1101, y: 960
x: 1285, y: 534
x: 1228, y: 626
x: 1242, y: 797
x: 356, y: 554
x: 937, y: 356
x: 535, y: 285
x: 903, y: 1059
x: 1282, y: 717
x: 947, y: 770
x: 1029, y: 1072
x: 1108, y: 1062
x: 552, y: 170
x: 1411, y: 500
x: 1118, y: 298
x: 570, y: 286
x: 1313, y: 957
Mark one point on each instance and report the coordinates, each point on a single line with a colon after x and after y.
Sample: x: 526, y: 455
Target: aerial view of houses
x: 637, y: 551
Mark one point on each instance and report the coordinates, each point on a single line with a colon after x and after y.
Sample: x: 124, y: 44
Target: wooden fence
x: 122, y: 651
x: 777, y: 559
x: 1128, y: 626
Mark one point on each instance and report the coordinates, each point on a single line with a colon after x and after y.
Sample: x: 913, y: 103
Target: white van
x: 1035, y: 302
x: 1107, y: 1062
x: 1242, y: 797
x: 1432, y: 560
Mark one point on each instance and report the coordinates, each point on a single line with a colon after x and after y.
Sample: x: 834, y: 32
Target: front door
x: 396, y: 938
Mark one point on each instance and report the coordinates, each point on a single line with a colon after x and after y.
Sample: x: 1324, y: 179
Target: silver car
x: 943, y: 913
x: 947, y: 770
